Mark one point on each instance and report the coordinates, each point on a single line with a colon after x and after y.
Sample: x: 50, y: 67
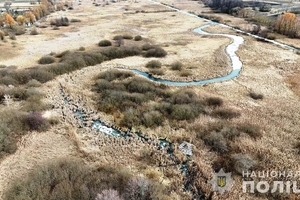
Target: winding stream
x: 230, y: 51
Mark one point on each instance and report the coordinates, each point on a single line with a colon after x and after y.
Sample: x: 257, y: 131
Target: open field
x: 232, y: 125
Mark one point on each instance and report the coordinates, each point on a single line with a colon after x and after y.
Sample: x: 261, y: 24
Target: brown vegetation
x: 72, y: 179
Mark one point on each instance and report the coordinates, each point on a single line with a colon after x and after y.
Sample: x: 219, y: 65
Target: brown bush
x: 36, y: 121
x: 46, y: 60
x: 176, y: 66
x: 138, y: 38
x: 155, y: 52
x: 153, y: 64
x: 214, y: 101
x: 217, y: 142
x: 104, y: 43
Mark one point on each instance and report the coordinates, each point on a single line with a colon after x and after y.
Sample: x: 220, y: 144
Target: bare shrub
x: 147, y: 46
x: 118, y: 37
x: 153, y: 64
x: 138, y: 38
x: 176, y: 66
x: 182, y: 112
x: 41, y: 75
x: 104, y: 43
x: 46, y: 60
x: 155, y: 52
x: 216, y: 141
x: 81, y: 49
x: 36, y: 121
x: 214, y: 101
x: 152, y: 119
x: 138, y: 188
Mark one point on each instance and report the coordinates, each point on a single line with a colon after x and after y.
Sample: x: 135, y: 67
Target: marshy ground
x: 264, y: 127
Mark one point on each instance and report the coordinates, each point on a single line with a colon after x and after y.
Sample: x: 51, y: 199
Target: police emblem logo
x: 221, y: 181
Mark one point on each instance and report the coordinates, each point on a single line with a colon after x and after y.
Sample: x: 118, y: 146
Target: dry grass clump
x: 216, y: 141
x: 225, y: 113
x: 33, y: 31
x: 176, y: 66
x: 214, y: 101
x: 156, y: 72
x: 72, y: 179
x: 252, y: 130
x: 46, y: 60
x: 153, y: 64
x: 256, y: 96
x: 185, y: 73
x: 104, y: 43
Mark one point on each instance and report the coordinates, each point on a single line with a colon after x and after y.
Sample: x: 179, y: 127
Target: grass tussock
x: 177, y: 66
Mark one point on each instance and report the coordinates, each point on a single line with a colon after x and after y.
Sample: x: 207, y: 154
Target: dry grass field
x: 265, y: 128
